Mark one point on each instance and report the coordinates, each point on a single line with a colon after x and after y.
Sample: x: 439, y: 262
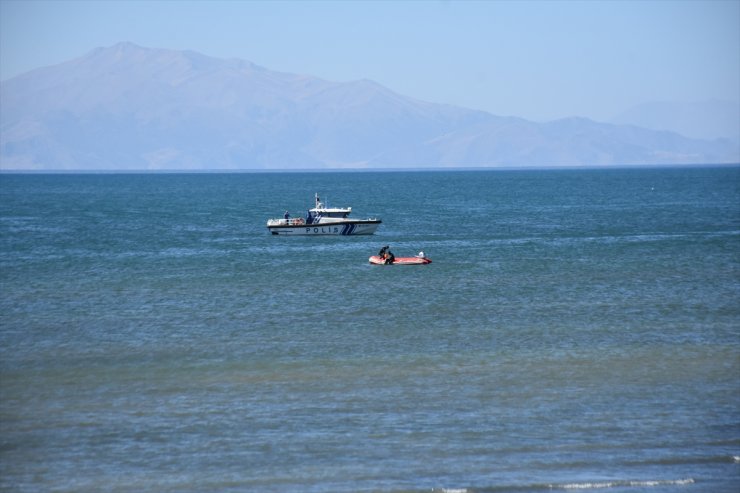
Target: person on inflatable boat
x: 386, y: 254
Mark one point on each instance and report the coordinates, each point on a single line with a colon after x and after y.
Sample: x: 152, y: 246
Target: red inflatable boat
x: 401, y: 260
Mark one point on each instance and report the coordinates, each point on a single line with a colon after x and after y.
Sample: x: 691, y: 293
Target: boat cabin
x: 314, y: 216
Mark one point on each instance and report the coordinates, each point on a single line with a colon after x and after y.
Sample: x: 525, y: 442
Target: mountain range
x: 700, y: 120
x: 128, y: 107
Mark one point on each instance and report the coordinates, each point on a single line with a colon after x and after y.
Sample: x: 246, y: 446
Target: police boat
x: 323, y: 220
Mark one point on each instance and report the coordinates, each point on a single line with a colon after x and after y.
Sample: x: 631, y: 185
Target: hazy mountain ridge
x: 128, y: 107
x: 708, y: 120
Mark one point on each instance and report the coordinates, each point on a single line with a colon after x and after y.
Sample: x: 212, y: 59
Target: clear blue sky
x: 538, y: 60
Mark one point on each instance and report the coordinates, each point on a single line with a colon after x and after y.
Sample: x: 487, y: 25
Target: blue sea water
x: 577, y: 329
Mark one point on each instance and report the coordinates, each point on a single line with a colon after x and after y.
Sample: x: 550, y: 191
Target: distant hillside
x: 128, y: 107
x: 706, y: 120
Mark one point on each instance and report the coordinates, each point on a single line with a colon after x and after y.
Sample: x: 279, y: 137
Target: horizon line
x: 357, y: 170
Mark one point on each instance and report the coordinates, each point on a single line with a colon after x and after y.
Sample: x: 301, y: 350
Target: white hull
x: 325, y: 221
x: 349, y: 228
